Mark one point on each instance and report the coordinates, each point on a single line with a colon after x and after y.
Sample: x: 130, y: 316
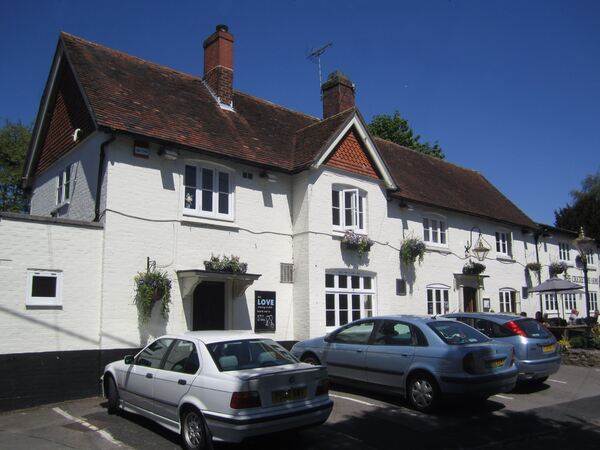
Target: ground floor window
x: 508, y: 301
x: 348, y: 297
x: 570, y: 301
x: 550, y: 302
x: 437, y: 300
x: 43, y: 288
x: 593, y: 302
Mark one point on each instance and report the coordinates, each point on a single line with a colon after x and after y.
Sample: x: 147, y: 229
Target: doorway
x: 208, y: 311
x: 469, y: 299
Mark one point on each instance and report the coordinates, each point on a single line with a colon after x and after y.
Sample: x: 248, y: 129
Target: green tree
x: 14, y: 141
x: 396, y: 129
x: 585, y: 209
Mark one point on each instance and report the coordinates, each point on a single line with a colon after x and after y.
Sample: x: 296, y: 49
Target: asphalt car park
x: 562, y: 412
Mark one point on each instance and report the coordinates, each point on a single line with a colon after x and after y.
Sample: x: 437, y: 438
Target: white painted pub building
x: 132, y: 162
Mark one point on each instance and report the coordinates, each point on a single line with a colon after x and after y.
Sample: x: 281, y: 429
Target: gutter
x: 100, y: 178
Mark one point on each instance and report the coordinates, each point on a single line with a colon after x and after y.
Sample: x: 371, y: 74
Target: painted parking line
x: 362, y: 402
x: 505, y: 397
x: 103, y: 433
x: 557, y: 381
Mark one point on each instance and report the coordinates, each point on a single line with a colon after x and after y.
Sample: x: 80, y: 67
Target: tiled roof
x: 128, y: 94
x: 425, y: 179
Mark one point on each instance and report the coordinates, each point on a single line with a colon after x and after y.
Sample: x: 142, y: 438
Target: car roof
x: 487, y: 315
x: 212, y: 336
x: 413, y: 318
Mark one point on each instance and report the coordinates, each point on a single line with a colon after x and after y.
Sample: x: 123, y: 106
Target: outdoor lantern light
x: 480, y: 250
x: 584, y: 246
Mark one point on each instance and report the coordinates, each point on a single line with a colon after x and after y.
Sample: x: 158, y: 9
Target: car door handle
x: 182, y: 382
x: 149, y: 375
x: 359, y: 351
x: 404, y: 354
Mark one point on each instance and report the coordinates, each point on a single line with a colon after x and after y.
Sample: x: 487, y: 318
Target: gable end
x: 350, y: 155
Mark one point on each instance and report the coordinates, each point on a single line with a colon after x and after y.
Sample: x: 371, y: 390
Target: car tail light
x: 469, y: 363
x: 245, y: 399
x: 515, y: 328
x: 322, y: 387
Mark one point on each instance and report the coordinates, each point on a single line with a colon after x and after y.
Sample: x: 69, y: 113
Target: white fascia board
x: 370, y: 146
x: 44, y: 111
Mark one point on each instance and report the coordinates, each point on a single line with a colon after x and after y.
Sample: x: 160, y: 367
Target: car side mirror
x: 129, y: 359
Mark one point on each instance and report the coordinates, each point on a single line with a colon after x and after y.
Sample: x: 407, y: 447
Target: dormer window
x: 208, y: 191
x: 348, y: 206
x: 63, y: 190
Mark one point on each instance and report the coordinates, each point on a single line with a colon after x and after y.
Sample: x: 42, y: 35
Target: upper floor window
x: 503, y: 243
x: 590, y: 258
x: 63, y: 190
x: 208, y: 191
x: 434, y: 230
x: 564, y: 251
x: 348, y: 206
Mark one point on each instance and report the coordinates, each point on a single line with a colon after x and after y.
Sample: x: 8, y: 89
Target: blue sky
x: 508, y: 88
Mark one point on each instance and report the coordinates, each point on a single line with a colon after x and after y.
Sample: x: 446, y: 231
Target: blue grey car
x: 537, y: 352
x: 422, y: 358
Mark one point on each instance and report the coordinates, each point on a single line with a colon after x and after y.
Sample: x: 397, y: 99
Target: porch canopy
x: 189, y: 279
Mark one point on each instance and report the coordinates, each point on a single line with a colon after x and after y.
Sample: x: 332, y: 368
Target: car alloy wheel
x: 310, y: 359
x: 422, y: 393
x: 193, y: 431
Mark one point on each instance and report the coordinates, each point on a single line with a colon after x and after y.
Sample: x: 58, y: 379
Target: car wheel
x: 423, y: 392
x: 194, y: 432
x: 310, y: 359
x: 112, y: 394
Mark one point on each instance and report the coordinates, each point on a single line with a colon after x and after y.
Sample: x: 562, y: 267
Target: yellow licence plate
x: 495, y: 363
x: 548, y: 348
x: 288, y: 395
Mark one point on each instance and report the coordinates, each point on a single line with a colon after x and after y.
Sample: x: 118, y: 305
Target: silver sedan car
x: 221, y: 386
x: 537, y: 352
x: 422, y: 358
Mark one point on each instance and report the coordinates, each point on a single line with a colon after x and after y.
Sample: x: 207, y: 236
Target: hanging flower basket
x: 412, y: 249
x: 150, y: 287
x: 473, y: 268
x: 225, y: 264
x: 534, y: 267
x: 556, y: 268
x: 358, y: 242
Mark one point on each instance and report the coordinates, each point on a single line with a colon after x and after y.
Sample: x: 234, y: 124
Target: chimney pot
x: 338, y: 94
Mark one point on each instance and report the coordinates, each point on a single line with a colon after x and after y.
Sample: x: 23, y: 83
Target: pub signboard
x: 264, y: 311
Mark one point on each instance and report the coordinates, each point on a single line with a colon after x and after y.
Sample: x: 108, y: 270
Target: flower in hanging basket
x: 358, y: 242
x: 534, y: 266
x: 473, y: 268
x: 150, y: 287
x: 556, y: 268
x: 225, y: 264
x: 412, y: 249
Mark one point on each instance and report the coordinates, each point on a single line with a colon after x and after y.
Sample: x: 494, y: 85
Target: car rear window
x: 249, y: 354
x: 457, y: 333
x: 533, y: 329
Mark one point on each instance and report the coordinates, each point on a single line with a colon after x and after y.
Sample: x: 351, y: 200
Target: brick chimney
x: 338, y: 94
x: 218, y: 64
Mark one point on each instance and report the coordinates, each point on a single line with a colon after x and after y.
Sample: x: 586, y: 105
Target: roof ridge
x: 132, y: 57
x: 325, y: 120
x: 262, y: 100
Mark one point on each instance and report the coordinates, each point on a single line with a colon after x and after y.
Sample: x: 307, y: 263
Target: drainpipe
x: 536, y: 236
x: 101, y: 176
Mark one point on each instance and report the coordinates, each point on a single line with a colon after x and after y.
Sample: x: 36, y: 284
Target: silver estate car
x: 537, y: 352
x: 223, y: 386
x: 422, y: 358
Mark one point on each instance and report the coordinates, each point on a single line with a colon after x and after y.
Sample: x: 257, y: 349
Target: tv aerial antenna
x: 315, y: 56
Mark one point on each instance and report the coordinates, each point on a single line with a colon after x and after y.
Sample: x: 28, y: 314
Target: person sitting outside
x: 573, y: 317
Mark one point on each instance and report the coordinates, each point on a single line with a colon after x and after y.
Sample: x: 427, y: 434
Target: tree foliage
x: 585, y: 209
x: 397, y: 129
x: 14, y: 141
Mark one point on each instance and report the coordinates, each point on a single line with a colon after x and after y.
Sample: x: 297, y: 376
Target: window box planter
x: 356, y: 242
x: 225, y: 264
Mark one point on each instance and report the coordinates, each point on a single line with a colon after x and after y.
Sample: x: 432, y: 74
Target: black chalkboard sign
x: 264, y: 311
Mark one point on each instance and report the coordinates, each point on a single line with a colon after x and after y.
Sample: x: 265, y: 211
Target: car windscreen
x: 533, y: 329
x: 249, y: 354
x: 457, y: 333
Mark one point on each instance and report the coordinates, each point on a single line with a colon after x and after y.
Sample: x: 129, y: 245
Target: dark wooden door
x: 470, y: 299
x: 209, y: 306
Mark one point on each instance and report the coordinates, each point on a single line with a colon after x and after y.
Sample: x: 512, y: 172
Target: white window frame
x: 64, y: 182
x: 504, y: 243
x: 505, y: 302
x: 349, y: 291
x: 216, y: 170
x: 357, y: 207
x: 564, y: 251
x: 438, y: 299
x: 593, y: 301
x: 550, y: 303
x: 30, y: 300
x: 435, y: 236
x: 569, y: 301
